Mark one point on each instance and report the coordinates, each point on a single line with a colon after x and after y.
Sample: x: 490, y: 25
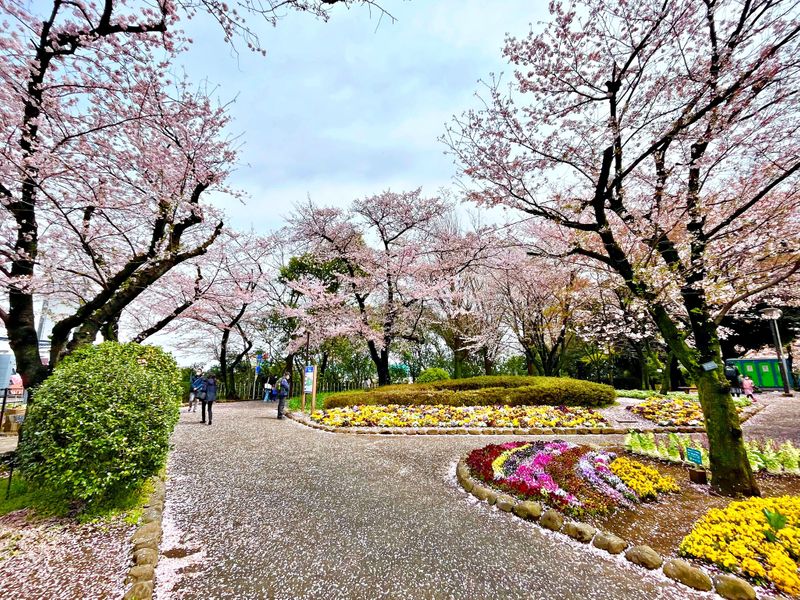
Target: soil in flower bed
x: 664, y: 523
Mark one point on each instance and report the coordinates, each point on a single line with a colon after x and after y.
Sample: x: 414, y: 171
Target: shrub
x: 100, y: 424
x: 432, y: 374
x: 483, y: 391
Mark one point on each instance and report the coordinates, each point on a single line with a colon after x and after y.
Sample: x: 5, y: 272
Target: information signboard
x: 308, y: 381
x: 693, y: 455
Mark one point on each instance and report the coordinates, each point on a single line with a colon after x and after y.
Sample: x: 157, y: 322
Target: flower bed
x: 571, y: 478
x: 395, y: 415
x: 768, y: 455
x: 674, y: 411
x: 758, y: 538
x: 670, y: 411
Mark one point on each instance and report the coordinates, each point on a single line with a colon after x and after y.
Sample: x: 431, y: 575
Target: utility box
x: 765, y: 372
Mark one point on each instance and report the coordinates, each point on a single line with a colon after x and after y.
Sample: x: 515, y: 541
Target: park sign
x: 693, y: 455
x: 308, y: 382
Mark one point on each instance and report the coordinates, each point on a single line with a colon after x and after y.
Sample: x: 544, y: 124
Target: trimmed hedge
x: 483, y: 391
x: 433, y: 374
x: 100, y: 424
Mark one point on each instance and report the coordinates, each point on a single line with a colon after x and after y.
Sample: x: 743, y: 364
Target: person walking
x: 211, y: 396
x: 273, y: 388
x: 194, y: 386
x: 748, y: 386
x: 283, y: 393
x: 734, y: 379
x: 267, y: 392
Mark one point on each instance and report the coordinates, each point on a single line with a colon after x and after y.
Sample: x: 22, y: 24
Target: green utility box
x: 765, y: 372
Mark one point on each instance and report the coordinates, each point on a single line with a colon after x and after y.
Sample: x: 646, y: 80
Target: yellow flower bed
x: 645, y: 481
x: 394, y: 415
x: 734, y: 539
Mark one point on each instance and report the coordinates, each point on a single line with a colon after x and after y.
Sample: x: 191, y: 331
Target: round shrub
x: 432, y: 374
x: 100, y: 424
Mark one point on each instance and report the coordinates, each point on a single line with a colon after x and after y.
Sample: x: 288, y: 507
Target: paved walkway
x: 780, y: 419
x: 260, y: 508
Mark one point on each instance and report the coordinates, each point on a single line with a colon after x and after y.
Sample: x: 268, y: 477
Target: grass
x: 127, y: 504
x: 294, y: 402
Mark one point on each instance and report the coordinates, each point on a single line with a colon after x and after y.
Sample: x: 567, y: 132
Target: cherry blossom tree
x: 661, y: 137
x: 105, y: 160
x: 384, y: 244
x: 539, y: 299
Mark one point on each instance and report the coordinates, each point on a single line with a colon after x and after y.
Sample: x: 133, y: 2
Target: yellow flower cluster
x: 645, y: 481
x: 439, y: 415
x: 734, y: 538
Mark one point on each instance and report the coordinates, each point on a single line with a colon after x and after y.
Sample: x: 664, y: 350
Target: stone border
x: 727, y: 586
x: 140, y: 580
x: 304, y: 419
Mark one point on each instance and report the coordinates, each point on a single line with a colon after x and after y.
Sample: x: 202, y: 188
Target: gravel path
x: 260, y: 508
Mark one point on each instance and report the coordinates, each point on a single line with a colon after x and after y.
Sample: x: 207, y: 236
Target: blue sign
x: 308, y: 383
x: 693, y: 455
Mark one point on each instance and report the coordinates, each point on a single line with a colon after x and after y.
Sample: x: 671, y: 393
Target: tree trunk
x: 666, y: 374
x: 381, y: 360
x: 530, y: 366
x: 488, y: 363
x: 460, y: 356
x: 22, y: 337
x: 731, y: 472
x: 384, y: 378
x: 644, y: 374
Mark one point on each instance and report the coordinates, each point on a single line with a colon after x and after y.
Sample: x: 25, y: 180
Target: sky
x: 351, y: 107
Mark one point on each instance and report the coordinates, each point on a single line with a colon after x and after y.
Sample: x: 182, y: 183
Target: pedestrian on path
x: 211, y: 396
x: 283, y: 392
x: 734, y: 379
x: 194, y: 386
x: 748, y: 387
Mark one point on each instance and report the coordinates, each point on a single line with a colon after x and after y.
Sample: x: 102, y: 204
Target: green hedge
x: 100, y: 424
x: 481, y: 391
x: 433, y: 374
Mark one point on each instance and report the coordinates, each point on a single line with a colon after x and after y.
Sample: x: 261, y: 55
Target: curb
x: 140, y: 581
x: 676, y: 569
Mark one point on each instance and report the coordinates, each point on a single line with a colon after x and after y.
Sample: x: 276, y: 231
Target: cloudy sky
x: 354, y: 106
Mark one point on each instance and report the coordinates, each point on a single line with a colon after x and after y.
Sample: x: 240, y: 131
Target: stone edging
x: 727, y: 586
x: 304, y: 419
x: 140, y: 580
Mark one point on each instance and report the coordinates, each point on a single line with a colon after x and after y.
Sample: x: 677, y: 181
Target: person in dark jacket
x: 211, y: 396
x: 283, y: 392
x: 734, y: 378
x: 195, y: 384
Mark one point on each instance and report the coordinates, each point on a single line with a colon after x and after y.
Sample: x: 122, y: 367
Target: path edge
x: 145, y: 541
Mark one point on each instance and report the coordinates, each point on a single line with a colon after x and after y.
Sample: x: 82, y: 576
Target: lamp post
x: 772, y: 315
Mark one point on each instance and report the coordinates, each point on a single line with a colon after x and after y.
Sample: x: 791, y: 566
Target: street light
x: 772, y: 315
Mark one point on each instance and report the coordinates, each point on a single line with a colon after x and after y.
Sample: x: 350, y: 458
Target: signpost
x: 697, y: 475
x: 310, y: 386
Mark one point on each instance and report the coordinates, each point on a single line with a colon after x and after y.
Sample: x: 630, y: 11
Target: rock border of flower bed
x: 676, y: 569
x: 305, y: 419
x: 140, y: 581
